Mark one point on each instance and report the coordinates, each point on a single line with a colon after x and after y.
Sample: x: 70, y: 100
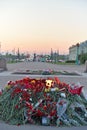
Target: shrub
x: 70, y: 61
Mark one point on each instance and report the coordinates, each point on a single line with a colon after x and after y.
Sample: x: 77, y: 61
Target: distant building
x: 77, y: 49
x: 72, y: 52
x: 83, y: 47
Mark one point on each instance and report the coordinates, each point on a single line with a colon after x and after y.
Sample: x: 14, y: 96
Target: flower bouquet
x: 43, y: 101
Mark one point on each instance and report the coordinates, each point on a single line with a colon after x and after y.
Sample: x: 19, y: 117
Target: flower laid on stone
x: 43, y: 101
x: 45, y: 72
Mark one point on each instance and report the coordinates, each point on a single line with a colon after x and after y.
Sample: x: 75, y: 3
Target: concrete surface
x: 4, y: 126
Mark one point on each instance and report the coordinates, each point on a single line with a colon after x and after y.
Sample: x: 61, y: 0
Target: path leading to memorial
x: 43, y: 65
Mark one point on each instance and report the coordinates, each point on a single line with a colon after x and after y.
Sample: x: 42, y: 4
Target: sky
x: 36, y: 26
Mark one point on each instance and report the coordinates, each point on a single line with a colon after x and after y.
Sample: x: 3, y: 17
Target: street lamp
x: 77, y: 53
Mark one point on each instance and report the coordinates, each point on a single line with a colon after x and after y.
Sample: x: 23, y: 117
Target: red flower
x: 39, y: 113
x: 25, y: 95
x: 48, y: 105
x: 41, y: 105
x: 29, y: 105
x: 28, y: 86
x: 57, y: 80
x: 45, y: 107
x: 26, y: 80
x: 53, y: 113
x: 16, y: 106
x: 76, y: 90
x: 16, y: 91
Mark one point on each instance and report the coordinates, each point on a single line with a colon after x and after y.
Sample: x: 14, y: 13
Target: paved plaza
x: 7, y: 75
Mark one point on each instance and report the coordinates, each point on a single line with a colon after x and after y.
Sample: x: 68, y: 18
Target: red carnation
x: 16, y: 91
x: 76, y: 90
x: 53, y: 113
x: 29, y: 105
x: 57, y: 80
x: 45, y: 107
x: 25, y: 95
x: 40, y: 113
x: 16, y: 106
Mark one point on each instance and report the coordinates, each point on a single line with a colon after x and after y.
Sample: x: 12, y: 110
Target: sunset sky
x: 39, y: 25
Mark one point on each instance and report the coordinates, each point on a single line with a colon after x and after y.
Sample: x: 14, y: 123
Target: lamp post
x: 77, y: 53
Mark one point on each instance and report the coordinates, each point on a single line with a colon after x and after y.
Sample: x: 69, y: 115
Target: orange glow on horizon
x: 37, y: 26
